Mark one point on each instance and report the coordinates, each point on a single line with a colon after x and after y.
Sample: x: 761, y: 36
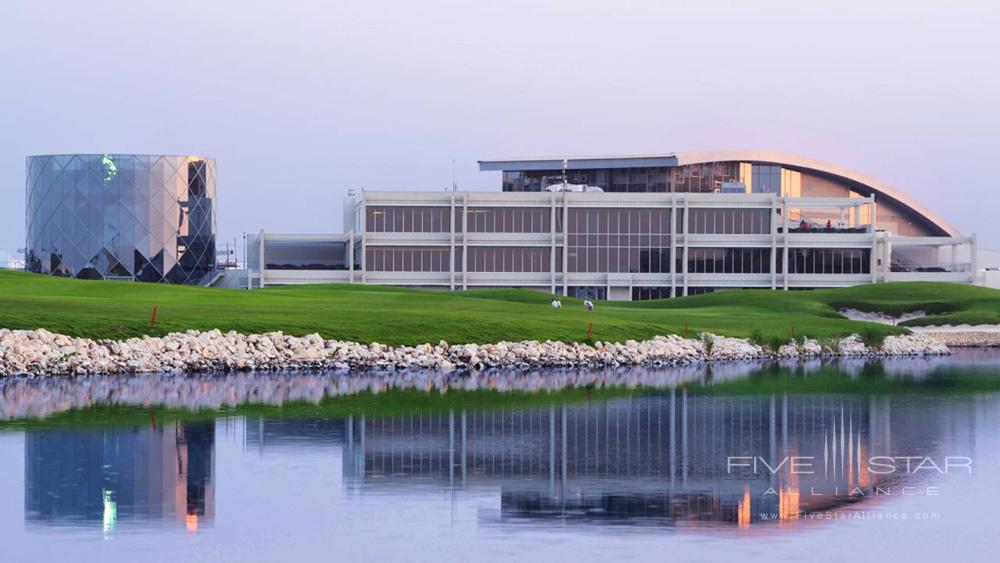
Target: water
x: 564, y: 465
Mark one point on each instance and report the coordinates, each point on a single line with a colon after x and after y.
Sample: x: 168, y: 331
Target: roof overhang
x: 580, y: 162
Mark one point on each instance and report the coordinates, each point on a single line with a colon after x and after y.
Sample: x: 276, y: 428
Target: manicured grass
x: 389, y: 315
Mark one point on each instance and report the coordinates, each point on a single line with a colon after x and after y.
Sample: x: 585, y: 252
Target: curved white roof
x: 877, y: 186
x: 679, y: 159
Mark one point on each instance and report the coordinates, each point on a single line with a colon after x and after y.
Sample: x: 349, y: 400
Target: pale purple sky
x: 301, y: 100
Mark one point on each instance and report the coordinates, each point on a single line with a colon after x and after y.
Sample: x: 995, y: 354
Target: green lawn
x: 405, y: 316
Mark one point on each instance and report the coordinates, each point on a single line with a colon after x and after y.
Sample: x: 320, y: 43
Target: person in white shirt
x: 588, y: 304
x: 556, y: 304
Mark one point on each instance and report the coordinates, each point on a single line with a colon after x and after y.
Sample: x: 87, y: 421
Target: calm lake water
x: 859, y: 459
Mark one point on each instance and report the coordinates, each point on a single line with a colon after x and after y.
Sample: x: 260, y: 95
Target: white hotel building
x: 660, y: 226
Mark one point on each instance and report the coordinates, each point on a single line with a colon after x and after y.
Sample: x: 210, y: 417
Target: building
x: 121, y: 216
x: 631, y: 227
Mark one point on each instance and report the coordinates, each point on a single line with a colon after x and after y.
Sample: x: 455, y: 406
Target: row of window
x: 435, y: 219
x: 296, y: 255
x: 618, y: 260
x: 407, y: 259
x: 407, y: 219
x: 646, y: 179
x: 609, y: 240
x: 701, y: 178
x: 705, y: 177
x: 729, y: 221
x: 480, y: 259
x: 647, y: 293
x: 511, y: 259
x: 625, y: 220
x: 582, y: 221
x: 592, y: 292
x: 729, y: 260
x: 827, y: 261
x: 506, y: 219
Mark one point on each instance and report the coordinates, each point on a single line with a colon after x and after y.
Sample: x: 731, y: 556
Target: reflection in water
x: 694, y: 448
x: 40, y: 397
x: 657, y: 458
x: 120, y: 475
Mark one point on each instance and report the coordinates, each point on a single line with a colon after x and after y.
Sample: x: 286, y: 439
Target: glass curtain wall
x: 619, y: 240
x: 120, y: 216
x: 507, y: 219
x: 721, y: 221
x: 827, y: 261
x: 639, y: 179
x: 406, y: 259
x: 407, y: 219
x: 729, y: 260
x: 308, y: 255
x: 530, y: 259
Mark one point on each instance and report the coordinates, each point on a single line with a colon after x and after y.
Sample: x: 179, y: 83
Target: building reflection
x: 658, y: 459
x: 116, y: 476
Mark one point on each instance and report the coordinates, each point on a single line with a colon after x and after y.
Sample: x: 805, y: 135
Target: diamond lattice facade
x: 122, y: 216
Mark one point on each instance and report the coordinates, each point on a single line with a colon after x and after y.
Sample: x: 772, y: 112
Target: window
x: 511, y: 258
x: 703, y: 178
x: 305, y: 255
x: 406, y: 259
x: 729, y: 260
x: 406, y: 219
x: 827, y: 261
x: 619, y: 240
x: 507, y: 219
x: 766, y: 179
x: 733, y: 221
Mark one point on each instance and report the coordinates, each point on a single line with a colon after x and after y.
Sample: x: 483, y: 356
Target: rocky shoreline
x: 966, y: 339
x: 40, y: 353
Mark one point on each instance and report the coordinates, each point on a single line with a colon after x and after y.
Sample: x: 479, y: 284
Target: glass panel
x: 118, y: 216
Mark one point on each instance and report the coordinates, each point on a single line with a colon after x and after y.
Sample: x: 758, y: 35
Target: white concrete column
x: 260, y: 253
x: 565, y: 256
x: 684, y: 260
x: 465, y: 241
x: 973, y: 259
x: 887, y: 258
x: 873, y: 257
x: 451, y: 243
x: 784, y: 233
x: 774, y: 244
x: 363, y: 217
x: 673, y: 246
x: 350, y: 256
x: 552, y: 243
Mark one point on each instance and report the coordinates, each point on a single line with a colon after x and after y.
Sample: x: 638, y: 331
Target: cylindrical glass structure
x: 121, y: 216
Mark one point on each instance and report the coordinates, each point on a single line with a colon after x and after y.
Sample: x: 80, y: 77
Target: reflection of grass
x: 394, y: 315
x: 871, y: 379
x: 393, y: 402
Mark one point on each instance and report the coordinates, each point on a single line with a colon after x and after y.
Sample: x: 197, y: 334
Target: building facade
x: 644, y: 227
x: 121, y: 216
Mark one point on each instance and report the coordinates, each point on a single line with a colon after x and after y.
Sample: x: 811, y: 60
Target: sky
x: 299, y: 101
